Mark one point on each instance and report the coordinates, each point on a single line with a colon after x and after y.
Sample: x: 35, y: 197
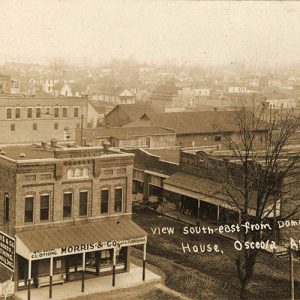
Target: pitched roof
x: 196, y: 122
x: 129, y: 132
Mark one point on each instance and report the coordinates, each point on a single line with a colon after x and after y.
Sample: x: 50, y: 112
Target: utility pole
x: 292, y: 287
x: 81, y: 131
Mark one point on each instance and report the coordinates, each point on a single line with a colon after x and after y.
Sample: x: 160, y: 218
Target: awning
x: 79, y: 238
x: 203, y: 189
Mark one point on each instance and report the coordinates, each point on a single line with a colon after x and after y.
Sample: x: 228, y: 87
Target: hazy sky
x: 92, y: 31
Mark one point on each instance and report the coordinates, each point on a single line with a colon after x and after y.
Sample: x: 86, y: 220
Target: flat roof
x: 16, y: 152
x: 171, y: 155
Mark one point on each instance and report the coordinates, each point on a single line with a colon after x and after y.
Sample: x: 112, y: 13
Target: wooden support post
x: 114, y: 268
x: 51, y: 274
x: 82, y: 272
x: 67, y: 266
x: 29, y: 280
x: 218, y: 214
x: 144, y: 262
x: 98, y: 253
x: 198, y: 213
x: 292, y: 287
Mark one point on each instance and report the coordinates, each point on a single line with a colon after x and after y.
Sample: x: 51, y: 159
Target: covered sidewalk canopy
x: 212, y: 192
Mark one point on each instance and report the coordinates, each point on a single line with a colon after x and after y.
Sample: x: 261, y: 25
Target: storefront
x: 75, y: 252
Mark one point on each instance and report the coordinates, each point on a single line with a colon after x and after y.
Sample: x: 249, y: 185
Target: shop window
x: 28, y: 218
x: 118, y: 199
x: 8, y: 113
x: 29, y: 112
x: 44, y: 207
x: 18, y: 113
x: 38, y: 112
x: 6, y: 208
x: 83, y: 203
x: 56, y: 112
x: 106, y: 257
x: 67, y: 209
x: 104, y: 201
x: 65, y: 112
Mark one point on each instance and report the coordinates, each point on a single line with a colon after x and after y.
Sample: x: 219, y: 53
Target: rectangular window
x: 76, y: 112
x: 6, y: 208
x: 38, y: 112
x: 34, y: 126
x: 104, y: 201
x: 67, y: 209
x: 44, y: 207
x: 18, y: 113
x: 217, y: 138
x: 56, y: 112
x: 29, y: 112
x: 8, y: 113
x: 12, y: 127
x: 83, y: 203
x: 118, y: 199
x: 28, y: 218
x: 55, y: 126
x: 47, y: 111
x: 65, y: 112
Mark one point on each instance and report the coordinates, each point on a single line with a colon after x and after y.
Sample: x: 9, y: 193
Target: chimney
x: 53, y: 143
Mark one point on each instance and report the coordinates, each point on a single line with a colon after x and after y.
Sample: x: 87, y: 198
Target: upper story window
x: 12, y: 127
x: 104, y: 201
x: 78, y: 172
x: 76, y: 112
x: 6, y: 208
x: 29, y: 112
x: 83, y: 203
x: 44, y: 207
x: 28, y: 217
x: 47, y: 111
x: 34, y: 126
x: 8, y: 113
x: 56, y: 112
x: 38, y: 112
x: 67, y: 205
x: 65, y: 112
x: 118, y: 200
x: 18, y: 113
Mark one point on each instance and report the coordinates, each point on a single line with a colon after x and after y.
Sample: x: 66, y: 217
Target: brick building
x: 69, y: 210
x: 34, y: 119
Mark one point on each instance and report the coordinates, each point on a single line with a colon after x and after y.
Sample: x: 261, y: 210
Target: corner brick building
x: 69, y: 210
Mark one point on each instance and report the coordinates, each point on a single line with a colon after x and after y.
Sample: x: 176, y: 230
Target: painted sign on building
x: 7, y: 251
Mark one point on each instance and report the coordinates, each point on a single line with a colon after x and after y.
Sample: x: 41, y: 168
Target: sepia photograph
x: 149, y: 150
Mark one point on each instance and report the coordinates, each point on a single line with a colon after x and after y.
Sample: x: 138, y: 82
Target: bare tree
x: 260, y: 181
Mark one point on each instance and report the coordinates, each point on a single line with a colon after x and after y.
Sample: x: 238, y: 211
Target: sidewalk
x: 97, y: 285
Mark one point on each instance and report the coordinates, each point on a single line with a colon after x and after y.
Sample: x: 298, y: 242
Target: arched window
x: 6, y: 208
x: 85, y: 172
x: 70, y: 173
x: 78, y: 172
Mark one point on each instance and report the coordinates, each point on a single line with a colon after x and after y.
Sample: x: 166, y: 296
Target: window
x: 8, y: 113
x: 65, y: 112
x: 34, y: 126
x: 49, y: 89
x: 29, y: 112
x: 56, y: 112
x: 38, y: 112
x: 55, y: 126
x: 18, y: 113
x: 76, y: 112
x: 47, y: 111
x: 83, y: 202
x: 12, y: 127
x: 217, y: 138
x: 6, y: 208
x: 118, y: 199
x: 28, y: 218
x: 44, y: 207
x: 67, y: 209
x: 104, y: 201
